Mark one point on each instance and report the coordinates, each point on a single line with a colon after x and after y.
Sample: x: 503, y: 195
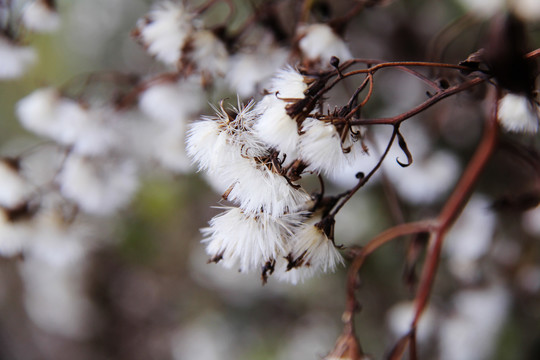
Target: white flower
x: 15, y: 59
x: 518, y: 114
x: 274, y: 126
x: 426, y: 179
x: 14, y: 235
x: 229, y: 150
x: 471, y: 333
x: 526, y: 9
x: 99, y: 186
x: 249, y: 241
x: 171, y: 102
x: 40, y: 16
x: 483, y: 8
x: 255, y: 187
x: 470, y: 238
x: 56, y: 242
x: 311, y: 252
x: 321, y: 147
x: 207, y: 53
x: 530, y: 221
x: 14, y: 189
x: 248, y: 70
x: 40, y: 112
x: 165, y: 30
x: 400, y: 316
x: 55, y: 299
x: 216, y: 142
x: 45, y: 112
x: 319, y: 43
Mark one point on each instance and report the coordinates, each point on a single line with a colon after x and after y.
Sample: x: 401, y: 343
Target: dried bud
x: 347, y: 347
x: 504, y: 55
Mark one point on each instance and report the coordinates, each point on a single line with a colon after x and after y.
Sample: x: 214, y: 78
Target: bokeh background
x: 145, y: 290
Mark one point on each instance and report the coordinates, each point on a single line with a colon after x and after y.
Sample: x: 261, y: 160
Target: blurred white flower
x: 483, y: 8
x: 528, y: 10
x: 40, y: 16
x: 209, y: 337
x: 55, y: 299
x: 15, y: 59
x: 518, y: 114
x: 472, y: 330
x: 400, y: 316
x: 427, y: 179
x: 57, y: 243
x: 171, y: 102
x: 165, y: 30
x: 531, y: 221
x: 249, y: 69
x: 99, y: 186
x: 14, y: 235
x: 47, y: 113
x: 207, y: 53
x: 319, y: 43
x: 14, y: 188
x: 470, y: 238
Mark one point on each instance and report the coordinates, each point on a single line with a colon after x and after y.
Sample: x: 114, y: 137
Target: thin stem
x: 423, y: 106
x: 349, y: 194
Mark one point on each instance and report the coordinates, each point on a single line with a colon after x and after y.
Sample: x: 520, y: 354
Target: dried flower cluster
x: 302, y: 121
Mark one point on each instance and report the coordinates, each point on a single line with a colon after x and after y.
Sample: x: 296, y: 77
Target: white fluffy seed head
x: 217, y: 142
x: 99, y: 186
x: 237, y: 239
x: 39, y: 16
x: 517, y: 113
x: 321, y: 147
x: 314, y: 250
x: 255, y: 188
x: 165, y: 30
x: 14, y: 189
x: 319, y: 43
x: 16, y: 59
x: 274, y: 126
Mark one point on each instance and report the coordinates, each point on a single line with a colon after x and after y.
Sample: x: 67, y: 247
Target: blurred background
x: 144, y: 289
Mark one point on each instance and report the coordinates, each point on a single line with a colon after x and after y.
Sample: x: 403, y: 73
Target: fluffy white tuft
x: 274, y: 126
x: 165, y: 31
x: 313, y: 251
x: 14, y: 189
x: 16, y: 59
x: 518, y: 114
x: 40, y: 17
x: 235, y: 238
x: 321, y: 147
x: 99, y: 186
x: 319, y: 43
